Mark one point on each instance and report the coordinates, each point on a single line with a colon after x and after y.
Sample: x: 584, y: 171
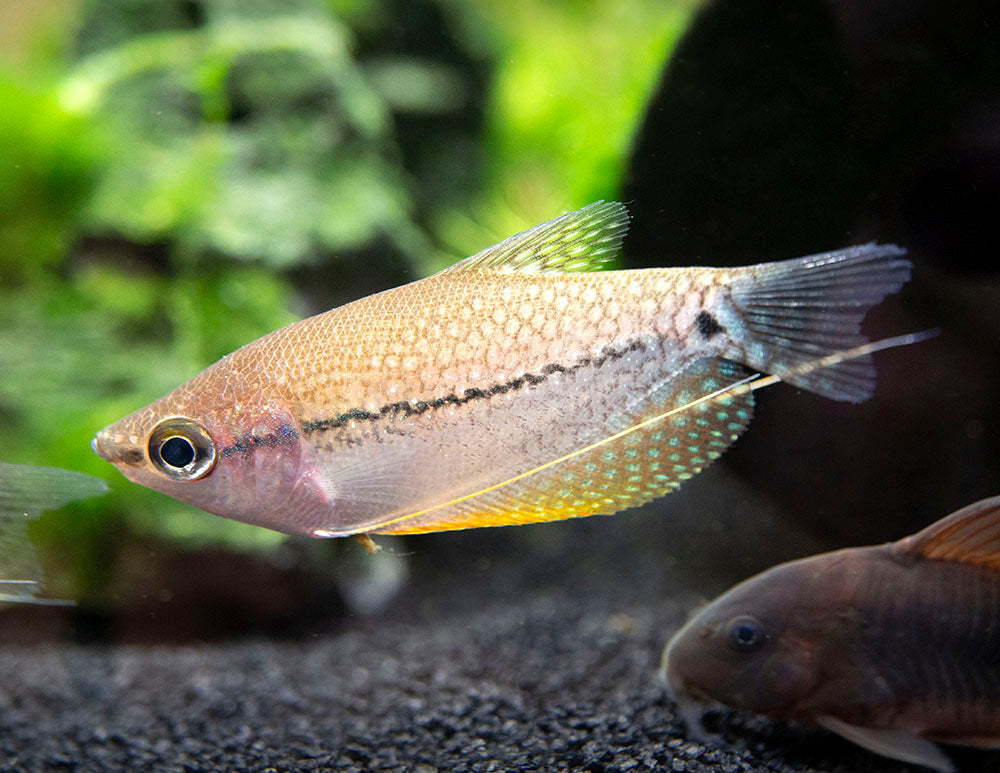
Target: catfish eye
x: 181, y: 449
x: 746, y: 634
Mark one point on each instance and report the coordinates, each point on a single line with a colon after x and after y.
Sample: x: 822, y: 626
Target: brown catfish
x: 891, y: 646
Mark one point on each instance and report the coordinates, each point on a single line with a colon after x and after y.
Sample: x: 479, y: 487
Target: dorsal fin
x: 969, y: 536
x: 583, y: 240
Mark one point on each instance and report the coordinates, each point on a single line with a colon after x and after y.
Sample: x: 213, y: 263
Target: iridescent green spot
x: 653, y: 466
x: 694, y: 435
x: 741, y: 413
x: 608, y: 456
x: 653, y: 452
x: 734, y: 426
x: 685, y: 476
x: 674, y: 457
x: 674, y: 441
x: 722, y: 415
x: 632, y: 467
x: 684, y: 396
x: 635, y: 478
x: 701, y: 422
x: 709, y: 385
x: 661, y: 476
x: 679, y: 421
x: 631, y: 453
x: 590, y: 467
x: 679, y: 468
x: 697, y: 460
x: 694, y: 449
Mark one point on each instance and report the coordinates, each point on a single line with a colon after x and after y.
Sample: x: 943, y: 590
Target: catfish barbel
x: 519, y: 385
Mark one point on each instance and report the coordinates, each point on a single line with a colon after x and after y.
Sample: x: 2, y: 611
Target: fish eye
x: 181, y: 449
x: 746, y: 634
x: 177, y: 451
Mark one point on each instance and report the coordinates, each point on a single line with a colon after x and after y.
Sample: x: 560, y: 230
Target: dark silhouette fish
x: 892, y: 646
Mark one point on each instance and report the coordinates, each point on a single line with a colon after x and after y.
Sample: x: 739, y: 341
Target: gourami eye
x: 177, y: 451
x: 746, y: 634
x: 181, y: 449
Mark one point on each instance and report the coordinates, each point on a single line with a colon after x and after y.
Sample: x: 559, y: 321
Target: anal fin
x: 654, y: 446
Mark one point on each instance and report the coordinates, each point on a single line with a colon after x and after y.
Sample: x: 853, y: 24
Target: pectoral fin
x: 896, y: 744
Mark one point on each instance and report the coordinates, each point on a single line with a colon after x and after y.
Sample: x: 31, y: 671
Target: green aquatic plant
x: 186, y: 177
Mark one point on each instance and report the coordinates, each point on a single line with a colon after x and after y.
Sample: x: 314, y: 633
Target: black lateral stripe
x: 284, y: 435
x: 405, y: 408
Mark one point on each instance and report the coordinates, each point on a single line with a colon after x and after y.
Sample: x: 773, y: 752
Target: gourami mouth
x: 99, y: 446
x: 116, y: 452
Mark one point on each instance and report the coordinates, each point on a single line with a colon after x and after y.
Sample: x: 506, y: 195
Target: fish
x: 519, y: 385
x: 894, y: 646
x: 26, y: 491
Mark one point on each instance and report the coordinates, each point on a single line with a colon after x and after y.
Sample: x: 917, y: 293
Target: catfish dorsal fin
x: 969, y: 536
x: 583, y: 240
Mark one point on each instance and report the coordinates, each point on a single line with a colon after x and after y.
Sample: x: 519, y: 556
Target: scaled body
x: 891, y: 646
x: 433, y: 405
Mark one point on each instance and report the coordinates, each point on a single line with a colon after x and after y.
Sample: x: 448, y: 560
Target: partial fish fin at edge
x: 26, y: 492
x: 583, y: 240
x: 969, y: 536
x: 895, y: 744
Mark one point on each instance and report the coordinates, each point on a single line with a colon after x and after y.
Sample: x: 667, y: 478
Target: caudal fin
x: 796, y: 311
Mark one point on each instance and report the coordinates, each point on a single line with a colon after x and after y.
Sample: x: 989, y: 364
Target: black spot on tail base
x: 708, y: 326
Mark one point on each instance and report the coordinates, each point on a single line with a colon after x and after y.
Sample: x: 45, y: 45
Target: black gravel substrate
x: 530, y: 649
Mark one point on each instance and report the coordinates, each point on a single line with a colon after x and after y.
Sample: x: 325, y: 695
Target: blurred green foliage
x: 253, y: 135
x: 175, y: 174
